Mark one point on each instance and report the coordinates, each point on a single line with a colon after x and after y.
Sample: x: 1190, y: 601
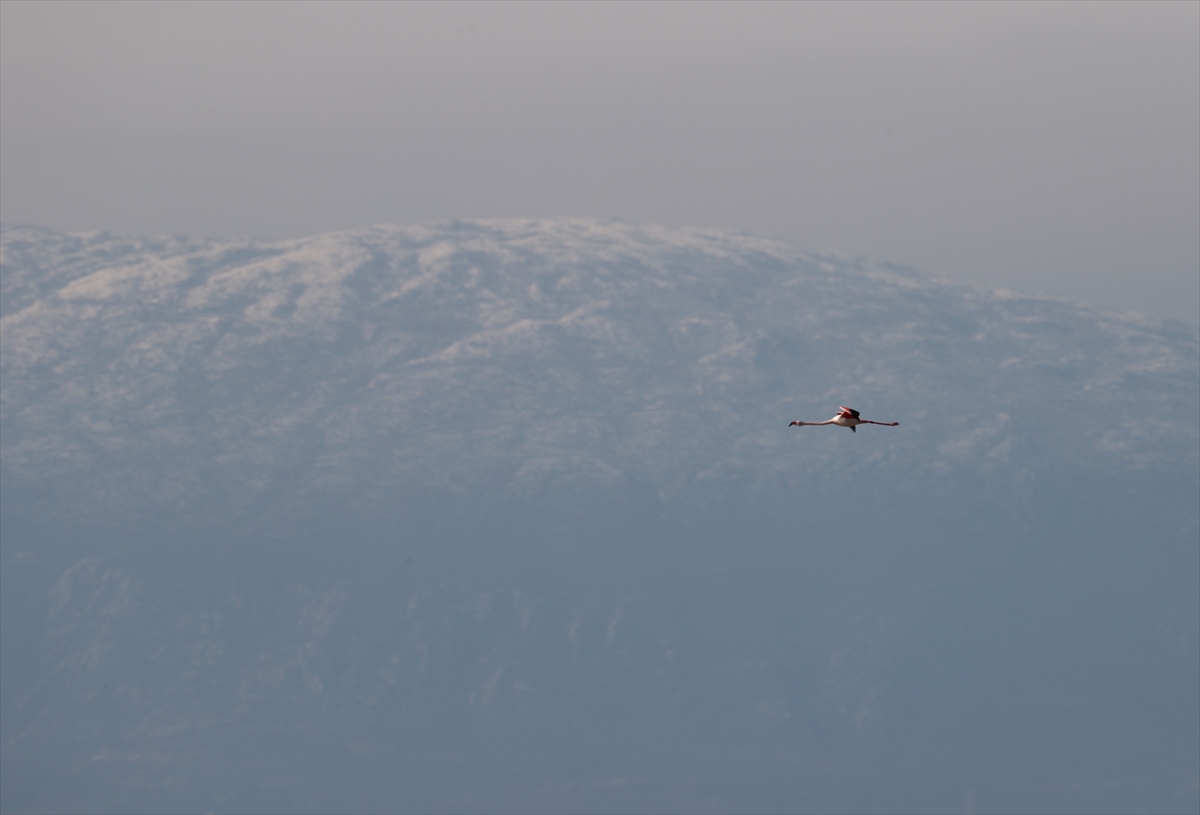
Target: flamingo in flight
x: 846, y: 417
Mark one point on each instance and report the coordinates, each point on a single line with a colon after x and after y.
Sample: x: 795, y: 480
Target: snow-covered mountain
x: 507, y: 515
x: 507, y: 356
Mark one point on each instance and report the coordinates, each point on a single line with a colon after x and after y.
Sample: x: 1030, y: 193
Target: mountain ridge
x: 402, y: 328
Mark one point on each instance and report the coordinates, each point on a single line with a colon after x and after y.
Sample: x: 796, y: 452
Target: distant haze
x: 1050, y: 148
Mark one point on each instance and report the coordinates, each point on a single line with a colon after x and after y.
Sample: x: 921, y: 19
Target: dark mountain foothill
x: 507, y: 516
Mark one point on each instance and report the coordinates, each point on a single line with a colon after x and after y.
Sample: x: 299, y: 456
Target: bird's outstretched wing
x: 848, y: 411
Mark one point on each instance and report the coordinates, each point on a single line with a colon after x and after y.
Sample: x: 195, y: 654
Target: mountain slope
x: 495, y: 516
x: 504, y: 356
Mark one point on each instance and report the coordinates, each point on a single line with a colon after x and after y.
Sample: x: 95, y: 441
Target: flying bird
x: 846, y: 417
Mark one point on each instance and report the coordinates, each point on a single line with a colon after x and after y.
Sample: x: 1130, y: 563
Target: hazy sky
x: 1045, y: 147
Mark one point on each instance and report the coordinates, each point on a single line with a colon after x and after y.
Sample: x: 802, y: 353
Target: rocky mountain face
x: 507, y: 515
